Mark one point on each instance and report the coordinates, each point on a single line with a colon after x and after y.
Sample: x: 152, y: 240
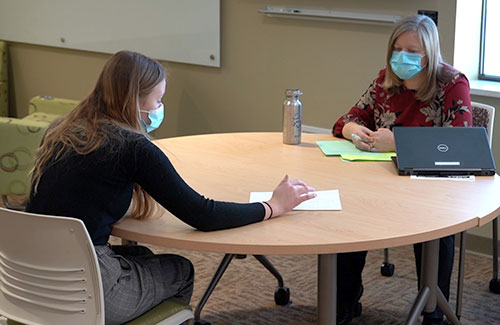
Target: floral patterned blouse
x: 376, y: 109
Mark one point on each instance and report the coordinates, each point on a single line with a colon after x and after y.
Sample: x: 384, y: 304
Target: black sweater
x: 97, y: 188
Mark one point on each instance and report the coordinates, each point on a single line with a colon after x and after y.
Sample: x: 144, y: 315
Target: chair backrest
x: 483, y: 115
x: 51, y: 105
x: 49, y: 272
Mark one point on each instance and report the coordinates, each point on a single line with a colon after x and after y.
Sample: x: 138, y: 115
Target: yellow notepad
x: 373, y: 156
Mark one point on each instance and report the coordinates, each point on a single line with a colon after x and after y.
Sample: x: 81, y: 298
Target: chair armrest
x: 20, y: 139
x: 51, y: 105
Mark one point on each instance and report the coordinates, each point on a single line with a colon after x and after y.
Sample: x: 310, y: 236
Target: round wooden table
x: 379, y: 208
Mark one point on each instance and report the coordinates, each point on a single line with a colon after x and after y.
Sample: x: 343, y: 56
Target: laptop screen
x: 443, y: 151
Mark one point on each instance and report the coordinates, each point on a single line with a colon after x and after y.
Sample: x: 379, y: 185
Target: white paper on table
x: 325, y: 200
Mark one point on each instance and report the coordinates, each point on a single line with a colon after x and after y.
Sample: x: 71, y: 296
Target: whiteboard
x: 185, y: 31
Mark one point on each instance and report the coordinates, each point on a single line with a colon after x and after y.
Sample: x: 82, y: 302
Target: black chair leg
x: 211, y: 286
x: 387, y: 268
x: 270, y: 267
x: 494, y: 282
x: 281, y: 293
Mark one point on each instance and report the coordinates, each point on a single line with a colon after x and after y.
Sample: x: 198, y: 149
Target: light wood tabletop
x: 379, y: 208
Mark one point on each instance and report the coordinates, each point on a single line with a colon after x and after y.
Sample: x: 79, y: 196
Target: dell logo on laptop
x: 442, y: 147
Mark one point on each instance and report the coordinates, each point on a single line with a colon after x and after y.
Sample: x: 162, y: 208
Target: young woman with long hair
x: 97, y: 161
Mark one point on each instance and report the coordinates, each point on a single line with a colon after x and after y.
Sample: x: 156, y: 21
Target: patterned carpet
x: 245, y: 294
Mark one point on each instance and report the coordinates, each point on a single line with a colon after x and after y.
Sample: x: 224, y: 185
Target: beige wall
x: 332, y: 63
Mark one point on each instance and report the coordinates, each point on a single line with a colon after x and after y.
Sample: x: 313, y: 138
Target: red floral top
x: 376, y: 109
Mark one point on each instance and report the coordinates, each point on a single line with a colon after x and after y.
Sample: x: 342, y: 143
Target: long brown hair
x: 433, y: 71
x: 124, y: 80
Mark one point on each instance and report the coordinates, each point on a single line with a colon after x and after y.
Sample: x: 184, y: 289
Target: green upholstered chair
x: 168, y: 312
x: 21, y: 138
x: 51, y: 105
x: 49, y: 274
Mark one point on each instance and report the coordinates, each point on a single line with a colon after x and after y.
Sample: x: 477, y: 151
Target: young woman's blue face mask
x: 155, y: 117
x: 406, y: 65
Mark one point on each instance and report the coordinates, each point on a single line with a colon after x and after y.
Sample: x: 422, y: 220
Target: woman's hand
x: 365, y: 139
x: 287, y: 195
x: 360, y: 135
x: 383, y: 140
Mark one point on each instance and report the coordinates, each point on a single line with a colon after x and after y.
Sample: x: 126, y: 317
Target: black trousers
x: 446, y: 258
x: 350, y: 267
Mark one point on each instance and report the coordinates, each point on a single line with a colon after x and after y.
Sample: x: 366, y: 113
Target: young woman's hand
x: 287, y: 195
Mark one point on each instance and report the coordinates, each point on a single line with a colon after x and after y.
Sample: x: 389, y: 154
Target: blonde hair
x: 433, y: 71
x: 125, y: 79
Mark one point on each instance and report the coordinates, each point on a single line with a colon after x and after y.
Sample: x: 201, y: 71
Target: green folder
x: 348, y: 151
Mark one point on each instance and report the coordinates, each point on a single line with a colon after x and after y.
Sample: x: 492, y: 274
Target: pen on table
x: 357, y: 137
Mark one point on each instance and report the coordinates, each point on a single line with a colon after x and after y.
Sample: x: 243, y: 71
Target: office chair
x: 21, y: 138
x: 49, y: 274
x: 482, y: 115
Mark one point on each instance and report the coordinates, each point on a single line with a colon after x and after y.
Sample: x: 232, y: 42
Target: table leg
x: 461, y: 270
x: 327, y: 289
x: 430, y: 295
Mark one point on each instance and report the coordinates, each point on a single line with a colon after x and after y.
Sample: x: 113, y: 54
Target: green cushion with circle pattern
x: 20, y: 139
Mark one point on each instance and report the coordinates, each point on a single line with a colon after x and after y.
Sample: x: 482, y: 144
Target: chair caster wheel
x: 282, y: 296
x: 495, y: 285
x: 387, y: 269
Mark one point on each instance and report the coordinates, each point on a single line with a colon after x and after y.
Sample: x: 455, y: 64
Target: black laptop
x: 443, y: 151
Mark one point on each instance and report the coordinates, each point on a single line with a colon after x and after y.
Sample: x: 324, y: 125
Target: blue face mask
x: 406, y: 65
x: 155, y: 116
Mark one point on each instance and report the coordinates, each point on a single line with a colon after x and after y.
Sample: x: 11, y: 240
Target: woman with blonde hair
x: 416, y: 88
x: 98, y: 160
